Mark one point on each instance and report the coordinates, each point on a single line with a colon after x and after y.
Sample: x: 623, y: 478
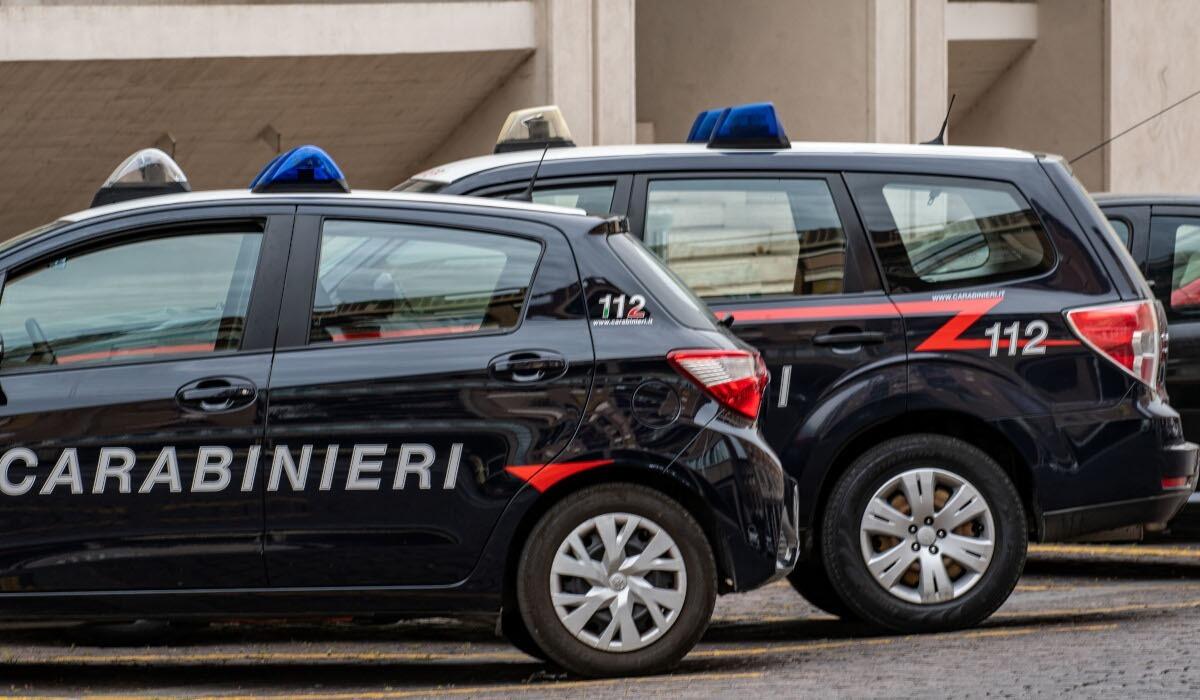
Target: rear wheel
x: 810, y: 581
x: 616, y: 580
x: 924, y: 533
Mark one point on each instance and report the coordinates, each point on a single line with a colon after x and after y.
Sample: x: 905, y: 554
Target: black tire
x: 534, y: 573
x: 842, y: 548
x: 518, y: 635
x: 812, y: 582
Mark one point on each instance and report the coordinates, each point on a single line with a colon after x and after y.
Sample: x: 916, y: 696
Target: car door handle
x: 850, y: 338
x: 216, y: 394
x: 528, y: 366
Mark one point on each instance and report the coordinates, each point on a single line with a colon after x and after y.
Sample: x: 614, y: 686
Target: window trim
x: 275, y: 230
x: 301, y: 285
x: 974, y: 285
x: 861, y: 272
x: 622, y: 183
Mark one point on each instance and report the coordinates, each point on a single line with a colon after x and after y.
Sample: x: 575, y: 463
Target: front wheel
x: 924, y: 533
x: 616, y: 580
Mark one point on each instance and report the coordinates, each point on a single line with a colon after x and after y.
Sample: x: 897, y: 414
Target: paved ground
x: 1089, y: 621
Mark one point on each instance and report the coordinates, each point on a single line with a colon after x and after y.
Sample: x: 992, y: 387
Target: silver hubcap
x: 618, y: 582
x: 927, y: 536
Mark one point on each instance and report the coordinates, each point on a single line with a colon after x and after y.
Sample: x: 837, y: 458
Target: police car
x: 963, y: 359
x: 301, y: 400
x: 1162, y: 232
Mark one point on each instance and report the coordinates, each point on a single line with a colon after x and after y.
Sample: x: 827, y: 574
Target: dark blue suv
x: 963, y: 356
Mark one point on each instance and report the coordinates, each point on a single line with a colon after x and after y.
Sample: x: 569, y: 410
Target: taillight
x: 736, y: 378
x: 1125, y: 333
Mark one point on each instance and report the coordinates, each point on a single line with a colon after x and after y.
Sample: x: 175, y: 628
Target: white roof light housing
x: 534, y: 128
x: 147, y: 173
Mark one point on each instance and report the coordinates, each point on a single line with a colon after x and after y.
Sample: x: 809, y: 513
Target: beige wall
x: 838, y: 70
x: 1155, y: 62
x: 1052, y: 98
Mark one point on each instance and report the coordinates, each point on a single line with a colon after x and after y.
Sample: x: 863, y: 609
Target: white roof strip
x: 356, y: 196
x: 459, y: 169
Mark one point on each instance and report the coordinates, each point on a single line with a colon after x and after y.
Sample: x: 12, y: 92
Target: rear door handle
x: 528, y: 366
x: 216, y: 394
x: 850, y: 338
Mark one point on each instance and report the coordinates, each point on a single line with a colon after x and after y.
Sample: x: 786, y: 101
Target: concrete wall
x: 1147, y: 76
x: 838, y: 70
x: 1053, y: 98
x: 585, y: 65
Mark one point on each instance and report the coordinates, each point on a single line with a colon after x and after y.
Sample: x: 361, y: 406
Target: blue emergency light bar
x: 754, y: 125
x: 702, y: 128
x: 302, y: 169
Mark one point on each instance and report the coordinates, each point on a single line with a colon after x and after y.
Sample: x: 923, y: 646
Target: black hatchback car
x: 300, y: 400
x: 963, y: 357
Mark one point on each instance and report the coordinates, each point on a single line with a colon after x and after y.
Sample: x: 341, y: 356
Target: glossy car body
x: 384, y: 475
x: 1088, y: 447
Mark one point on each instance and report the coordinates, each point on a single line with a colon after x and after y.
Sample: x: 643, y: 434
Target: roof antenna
x: 527, y: 194
x: 940, y: 139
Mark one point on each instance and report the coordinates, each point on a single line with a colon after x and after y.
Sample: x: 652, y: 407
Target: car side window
x: 942, y: 232
x: 1177, y: 239
x: 594, y: 198
x: 1121, y: 228
x: 150, y: 298
x: 382, y: 280
x: 748, y: 237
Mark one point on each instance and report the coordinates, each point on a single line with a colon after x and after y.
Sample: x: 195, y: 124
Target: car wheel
x: 518, y: 635
x: 616, y: 580
x: 924, y: 533
x: 812, y: 582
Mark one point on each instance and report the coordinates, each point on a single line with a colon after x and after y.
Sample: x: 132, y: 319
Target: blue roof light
x: 702, y: 128
x: 752, y: 125
x: 302, y: 169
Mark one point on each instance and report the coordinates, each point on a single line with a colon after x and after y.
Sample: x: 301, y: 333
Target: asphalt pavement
x: 1086, y: 621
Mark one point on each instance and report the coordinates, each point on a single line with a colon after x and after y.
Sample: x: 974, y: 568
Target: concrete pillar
x: 929, y: 72
x: 615, y: 72
x: 906, y: 69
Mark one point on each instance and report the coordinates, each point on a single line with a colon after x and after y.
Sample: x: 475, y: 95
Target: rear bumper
x: 755, y: 558
x: 1177, y: 471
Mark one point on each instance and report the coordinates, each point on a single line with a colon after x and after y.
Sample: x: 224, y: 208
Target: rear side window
x: 147, y: 299
x: 1175, y: 240
x: 593, y: 198
x: 663, y: 285
x: 380, y: 280
x: 1121, y: 228
x: 937, y: 233
x: 748, y: 238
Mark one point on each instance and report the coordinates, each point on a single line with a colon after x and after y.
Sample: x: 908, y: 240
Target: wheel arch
x: 955, y: 424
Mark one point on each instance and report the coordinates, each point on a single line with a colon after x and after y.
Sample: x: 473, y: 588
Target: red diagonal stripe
x: 543, y: 477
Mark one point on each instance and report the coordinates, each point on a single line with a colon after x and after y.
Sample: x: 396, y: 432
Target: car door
x: 421, y: 355
x: 132, y: 395
x: 782, y: 253
x: 1173, y: 269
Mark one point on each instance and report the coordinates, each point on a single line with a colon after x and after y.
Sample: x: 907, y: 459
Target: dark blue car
x: 963, y: 356
x: 299, y: 400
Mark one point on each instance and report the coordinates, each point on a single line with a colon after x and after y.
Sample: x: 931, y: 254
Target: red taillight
x: 736, y: 378
x: 1126, y: 333
x: 1175, y: 482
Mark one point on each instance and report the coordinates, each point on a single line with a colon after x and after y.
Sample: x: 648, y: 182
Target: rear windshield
x: 663, y: 285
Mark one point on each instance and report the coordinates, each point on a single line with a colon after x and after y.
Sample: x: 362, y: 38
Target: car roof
x: 372, y: 196
x: 451, y: 172
x: 1133, y: 200
x: 217, y: 197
